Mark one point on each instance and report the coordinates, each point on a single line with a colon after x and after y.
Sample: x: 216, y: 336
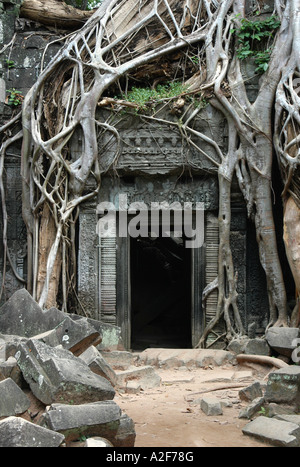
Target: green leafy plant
x: 195, y: 59
x: 264, y: 412
x: 253, y: 37
x: 262, y: 61
x: 144, y: 96
x: 200, y: 102
x: 15, y: 97
x: 9, y: 63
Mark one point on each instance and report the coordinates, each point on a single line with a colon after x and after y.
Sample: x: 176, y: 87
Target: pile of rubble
x: 271, y: 405
x: 59, y: 374
x: 57, y: 360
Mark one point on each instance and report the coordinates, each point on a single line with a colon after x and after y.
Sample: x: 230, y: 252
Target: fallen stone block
x: 254, y: 407
x: 273, y: 409
x: 125, y: 435
x: 111, y: 335
x: 211, y: 406
x: 56, y: 375
x: 281, y: 339
x: 238, y: 344
x: 13, y: 401
x: 251, y: 392
x: 275, y: 432
x: 22, y: 316
x: 284, y: 386
x: 95, y: 361
x: 16, y: 432
x: 146, y: 377
x: 95, y: 419
x: 10, y: 344
x: 10, y: 369
x: 76, y: 336
x: 257, y: 346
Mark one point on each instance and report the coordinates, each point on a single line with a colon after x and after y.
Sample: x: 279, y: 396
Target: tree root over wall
x: 119, y: 39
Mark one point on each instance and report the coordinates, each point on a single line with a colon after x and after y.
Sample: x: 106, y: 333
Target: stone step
x: 174, y: 358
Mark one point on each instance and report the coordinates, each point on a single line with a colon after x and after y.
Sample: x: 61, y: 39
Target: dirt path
x: 170, y: 415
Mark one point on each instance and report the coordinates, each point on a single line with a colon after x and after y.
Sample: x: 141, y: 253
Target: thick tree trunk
x: 291, y: 238
x: 46, y: 239
x: 266, y: 239
x: 54, y: 13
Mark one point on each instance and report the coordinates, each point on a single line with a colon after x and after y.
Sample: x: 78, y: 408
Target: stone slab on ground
x: 273, y: 431
x: 17, y: 432
x: 284, y: 386
x: 170, y: 358
x: 293, y: 418
x: 56, y: 375
x: 104, y: 419
x: 13, y: 401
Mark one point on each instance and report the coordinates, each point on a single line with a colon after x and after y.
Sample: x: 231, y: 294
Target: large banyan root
x: 262, y: 359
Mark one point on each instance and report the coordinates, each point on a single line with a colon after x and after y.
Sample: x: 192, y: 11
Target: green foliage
x: 200, y: 102
x: 9, y: 63
x: 144, y: 96
x: 265, y: 412
x: 15, y: 97
x: 252, y: 37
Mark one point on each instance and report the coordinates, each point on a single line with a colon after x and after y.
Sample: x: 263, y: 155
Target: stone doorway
x: 160, y: 292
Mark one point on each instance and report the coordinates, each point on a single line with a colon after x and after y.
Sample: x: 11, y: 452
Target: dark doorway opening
x: 161, y: 289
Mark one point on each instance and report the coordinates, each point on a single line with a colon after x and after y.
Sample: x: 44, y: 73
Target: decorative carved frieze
x: 159, y: 148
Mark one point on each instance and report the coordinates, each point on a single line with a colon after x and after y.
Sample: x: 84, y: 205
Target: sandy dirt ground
x: 170, y: 415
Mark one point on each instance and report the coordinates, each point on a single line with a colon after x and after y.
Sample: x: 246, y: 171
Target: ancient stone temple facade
x: 150, y: 285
